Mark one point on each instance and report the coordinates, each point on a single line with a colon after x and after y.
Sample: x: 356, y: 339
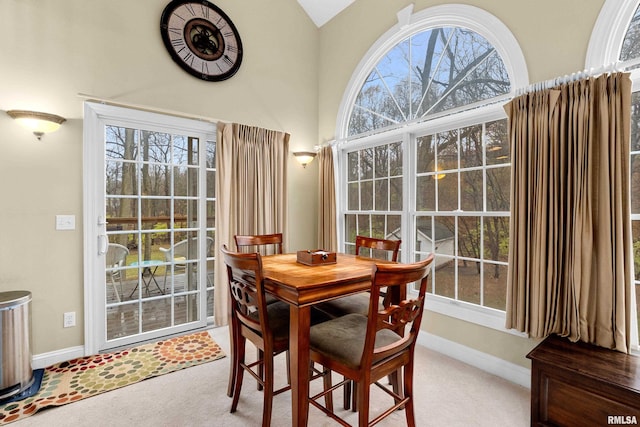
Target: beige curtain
x: 570, y: 265
x: 327, y: 234
x: 251, y: 190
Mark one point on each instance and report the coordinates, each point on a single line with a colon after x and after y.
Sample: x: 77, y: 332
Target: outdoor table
x: 149, y: 268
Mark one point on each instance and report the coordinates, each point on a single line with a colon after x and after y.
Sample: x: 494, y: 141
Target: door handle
x: 103, y: 244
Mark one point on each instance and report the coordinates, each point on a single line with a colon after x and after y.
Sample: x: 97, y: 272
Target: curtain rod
x: 174, y: 113
x: 567, y: 78
x: 108, y: 101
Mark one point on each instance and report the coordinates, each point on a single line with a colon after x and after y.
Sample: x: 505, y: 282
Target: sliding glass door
x: 152, y: 214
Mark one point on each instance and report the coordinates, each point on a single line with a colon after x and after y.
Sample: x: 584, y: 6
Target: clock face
x: 202, y: 39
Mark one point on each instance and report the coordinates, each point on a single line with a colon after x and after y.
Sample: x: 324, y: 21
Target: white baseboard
x: 509, y: 371
x: 43, y: 360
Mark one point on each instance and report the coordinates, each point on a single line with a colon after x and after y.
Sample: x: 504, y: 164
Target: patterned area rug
x: 80, y: 378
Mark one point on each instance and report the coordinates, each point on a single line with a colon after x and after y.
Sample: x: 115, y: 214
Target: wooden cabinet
x: 577, y: 384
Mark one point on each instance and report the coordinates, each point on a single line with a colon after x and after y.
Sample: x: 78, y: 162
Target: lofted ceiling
x: 321, y: 11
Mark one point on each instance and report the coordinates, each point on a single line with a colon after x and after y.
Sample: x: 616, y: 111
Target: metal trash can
x: 16, y: 374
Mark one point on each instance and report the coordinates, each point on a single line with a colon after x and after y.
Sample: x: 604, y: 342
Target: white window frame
x: 485, y: 316
x: 506, y: 45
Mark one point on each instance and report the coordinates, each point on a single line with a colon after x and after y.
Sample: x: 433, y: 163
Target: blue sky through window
x: 430, y: 72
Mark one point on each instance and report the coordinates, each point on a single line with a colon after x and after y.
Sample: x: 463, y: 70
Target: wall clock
x: 201, y: 39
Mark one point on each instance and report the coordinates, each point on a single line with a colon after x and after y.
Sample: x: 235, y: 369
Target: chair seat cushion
x: 278, y: 313
x: 343, y: 338
x: 358, y: 304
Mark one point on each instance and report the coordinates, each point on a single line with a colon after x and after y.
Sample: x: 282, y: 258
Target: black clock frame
x: 202, y: 47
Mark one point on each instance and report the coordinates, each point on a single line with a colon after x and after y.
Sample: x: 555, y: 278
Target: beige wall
x: 52, y: 50
x: 553, y: 36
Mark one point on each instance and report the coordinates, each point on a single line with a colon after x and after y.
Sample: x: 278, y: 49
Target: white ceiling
x: 321, y: 11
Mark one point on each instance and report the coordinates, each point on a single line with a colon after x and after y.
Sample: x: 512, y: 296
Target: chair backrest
x: 181, y: 249
x: 116, y: 255
x: 259, y: 243
x: 247, y: 296
x: 379, y: 248
x: 210, y: 242
x: 395, y: 317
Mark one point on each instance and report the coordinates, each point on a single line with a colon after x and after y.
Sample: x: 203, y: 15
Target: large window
x: 616, y: 39
x: 462, y: 211
x: 424, y: 155
x: 374, y: 193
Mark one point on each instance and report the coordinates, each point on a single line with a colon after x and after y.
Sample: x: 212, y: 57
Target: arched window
x: 616, y: 40
x: 616, y: 37
x: 630, y: 50
x: 423, y: 153
x: 431, y: 72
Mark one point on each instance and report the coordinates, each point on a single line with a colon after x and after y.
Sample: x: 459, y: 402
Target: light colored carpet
x: 448, y: 393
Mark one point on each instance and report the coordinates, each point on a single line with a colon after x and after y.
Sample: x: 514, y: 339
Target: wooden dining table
x: 302, y: 286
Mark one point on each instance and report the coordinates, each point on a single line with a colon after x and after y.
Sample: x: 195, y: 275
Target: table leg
x: 146, y: 272
x: 153, y: 277
x: 151, y: 274
x: 300, y: 322
x: 134, y: 290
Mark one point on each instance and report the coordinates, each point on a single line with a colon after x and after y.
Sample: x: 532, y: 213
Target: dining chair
x: 365, y: 349
x: 114, y: 262
x: 265, y: 325
x: 359, y: 303
x: 263, y: 243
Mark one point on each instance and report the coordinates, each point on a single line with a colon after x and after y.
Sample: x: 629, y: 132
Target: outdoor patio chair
x: 115, y: 260
x: 178, y: 255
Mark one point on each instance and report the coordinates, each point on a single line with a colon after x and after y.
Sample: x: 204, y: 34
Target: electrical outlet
x: 70, y: 319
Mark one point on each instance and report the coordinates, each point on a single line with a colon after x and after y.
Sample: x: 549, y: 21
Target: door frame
x: 96, y: 117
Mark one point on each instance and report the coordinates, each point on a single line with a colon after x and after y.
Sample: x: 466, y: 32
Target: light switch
x: 65, y: 222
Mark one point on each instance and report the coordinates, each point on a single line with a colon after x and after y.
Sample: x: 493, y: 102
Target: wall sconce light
x: 38, y: 123
x: 304, y: 157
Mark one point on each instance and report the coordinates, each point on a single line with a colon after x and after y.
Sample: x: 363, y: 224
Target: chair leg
x: 395, y: 379
x: 268, y: 390
x: 260, y: 355
x: 115, y: 290
x: 408, y: 391
x: 239, y: 372
x: 165, y: 278
x: 363, y: 403
x: 287, y: 355
x: 326, y: 380
x: 354, y: 396
x: 346, y: 398
x: 234, y: 362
